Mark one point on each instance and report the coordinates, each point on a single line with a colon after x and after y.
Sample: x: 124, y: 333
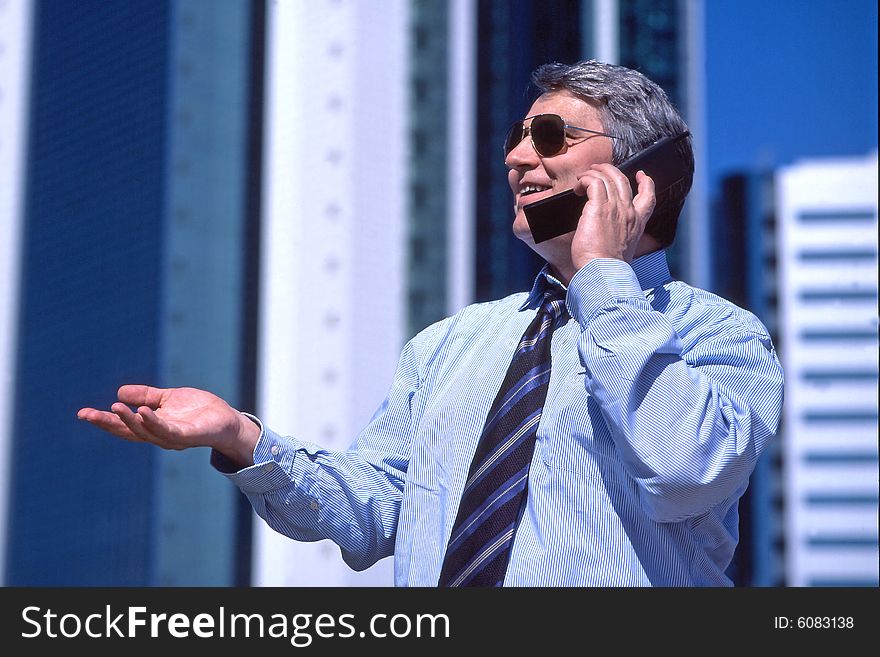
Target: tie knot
x: 553, y: 303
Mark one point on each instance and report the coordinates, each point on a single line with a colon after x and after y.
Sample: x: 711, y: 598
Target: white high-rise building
x: 827, y: 222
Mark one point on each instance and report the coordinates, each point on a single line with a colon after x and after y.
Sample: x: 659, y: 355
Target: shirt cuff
x: 227, y: 465
x: 275, y: 463
x: 599, y: 285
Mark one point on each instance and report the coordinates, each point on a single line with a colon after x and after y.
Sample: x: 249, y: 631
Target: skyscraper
x: 827, y: 213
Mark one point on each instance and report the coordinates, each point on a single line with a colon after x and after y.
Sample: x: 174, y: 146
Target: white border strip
x: 15, y: 44
x: 460, y: 140
x: 699, y: 262
x: 279, y: 330
x: 606, y: 32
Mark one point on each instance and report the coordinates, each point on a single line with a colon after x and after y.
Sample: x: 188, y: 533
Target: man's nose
x: 523, y: 155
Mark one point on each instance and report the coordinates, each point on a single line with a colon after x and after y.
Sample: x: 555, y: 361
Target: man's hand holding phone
x: 626, y: 195
x: 613, y: 221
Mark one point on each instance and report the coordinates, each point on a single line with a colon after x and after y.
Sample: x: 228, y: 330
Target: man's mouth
x: 532, y: 189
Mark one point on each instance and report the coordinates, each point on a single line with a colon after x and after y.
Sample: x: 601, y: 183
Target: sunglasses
x: 547, y: 132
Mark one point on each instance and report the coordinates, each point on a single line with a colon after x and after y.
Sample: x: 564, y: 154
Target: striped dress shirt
x: 661, y: 399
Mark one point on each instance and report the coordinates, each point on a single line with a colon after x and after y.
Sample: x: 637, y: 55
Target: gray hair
x: 638, y: 112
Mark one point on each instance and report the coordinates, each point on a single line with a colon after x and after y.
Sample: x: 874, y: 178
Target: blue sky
x: 787, y: 79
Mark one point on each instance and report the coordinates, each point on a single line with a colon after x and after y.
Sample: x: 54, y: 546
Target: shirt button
x: 275, y: 449
x: 314, y: 505
x: 268, y: 467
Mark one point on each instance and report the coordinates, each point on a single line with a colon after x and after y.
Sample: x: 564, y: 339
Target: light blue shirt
x: 661, y: 399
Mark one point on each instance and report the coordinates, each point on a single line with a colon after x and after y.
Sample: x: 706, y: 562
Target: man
x: 622, y: 464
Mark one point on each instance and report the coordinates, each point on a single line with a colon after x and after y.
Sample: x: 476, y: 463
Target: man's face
x: 551, y: 175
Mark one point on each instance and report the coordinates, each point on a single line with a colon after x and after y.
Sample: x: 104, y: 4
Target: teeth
x: 530, y: 189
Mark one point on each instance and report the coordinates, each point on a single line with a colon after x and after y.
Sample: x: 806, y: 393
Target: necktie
x: 495, y: 491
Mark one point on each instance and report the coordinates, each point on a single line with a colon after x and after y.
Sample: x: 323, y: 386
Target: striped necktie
x: 495, y: 491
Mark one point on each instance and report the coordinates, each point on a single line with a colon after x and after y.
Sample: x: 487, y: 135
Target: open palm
x: 172, y: 418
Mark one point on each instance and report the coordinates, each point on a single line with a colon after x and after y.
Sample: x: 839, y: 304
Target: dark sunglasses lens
x: 513, y: 137
x: 548, y: 134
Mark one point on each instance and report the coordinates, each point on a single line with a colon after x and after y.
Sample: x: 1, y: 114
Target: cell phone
x: 559, y: 214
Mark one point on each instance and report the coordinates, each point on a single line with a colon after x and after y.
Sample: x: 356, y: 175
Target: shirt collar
x: 651, y: 269
x: 544, y: 280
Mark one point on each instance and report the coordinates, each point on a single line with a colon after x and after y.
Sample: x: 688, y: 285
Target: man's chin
x: 521, y: 229
x: 556, y: 250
